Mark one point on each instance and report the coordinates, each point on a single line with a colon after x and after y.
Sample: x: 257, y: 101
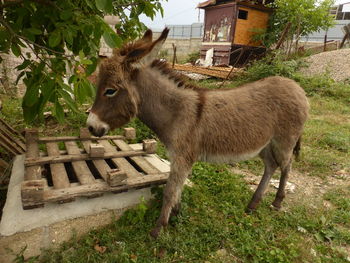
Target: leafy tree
x: 305, y: 16
x: 64, y: 36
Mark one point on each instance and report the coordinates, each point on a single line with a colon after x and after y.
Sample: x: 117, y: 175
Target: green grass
x: 212, y: 219
x: 212, y: 225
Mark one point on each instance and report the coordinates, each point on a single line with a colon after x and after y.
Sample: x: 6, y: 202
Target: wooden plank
x: 102, y: 187
x: 140, y: 161
x: 81, y: 169
x: 122, y: 163
x: 32, y: 193
x: 210, y: 71
x: 76, y: 138
x: 80, y: 157
x: 12, y: 130
x: 3, y: 164
x: 58, y: 172
x: 33, y: 172
x: 101, y: 165
x: 7, y: 145
x: 12, y: 138
x: 117, y: 177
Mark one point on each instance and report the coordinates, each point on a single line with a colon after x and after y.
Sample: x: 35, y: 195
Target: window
x: 242, y: 14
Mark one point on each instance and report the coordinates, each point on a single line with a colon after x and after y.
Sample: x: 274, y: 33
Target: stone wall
x: 183, y: 47
x: 9, y: 74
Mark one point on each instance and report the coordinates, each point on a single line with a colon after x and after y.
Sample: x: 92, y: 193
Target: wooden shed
x: 230, y: 25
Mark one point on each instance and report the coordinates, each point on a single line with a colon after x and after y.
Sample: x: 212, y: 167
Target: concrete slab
x: 42, y: 227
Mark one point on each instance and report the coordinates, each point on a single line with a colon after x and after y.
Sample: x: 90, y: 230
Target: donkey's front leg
x: 172, y: 193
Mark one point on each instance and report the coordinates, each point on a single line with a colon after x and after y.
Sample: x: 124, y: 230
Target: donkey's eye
x: 110, y: 92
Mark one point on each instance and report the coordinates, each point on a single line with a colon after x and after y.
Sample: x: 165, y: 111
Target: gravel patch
x: 336, y: 63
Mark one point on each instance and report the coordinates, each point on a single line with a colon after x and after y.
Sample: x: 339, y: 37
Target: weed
x: 192, y: 57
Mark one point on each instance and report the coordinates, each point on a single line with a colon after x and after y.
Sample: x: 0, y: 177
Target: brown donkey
x: 264, y: 118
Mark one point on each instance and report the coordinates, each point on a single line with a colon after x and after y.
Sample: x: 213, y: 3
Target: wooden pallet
x: 218, y: 72
x: 11, y: 140
x: 57, y: 175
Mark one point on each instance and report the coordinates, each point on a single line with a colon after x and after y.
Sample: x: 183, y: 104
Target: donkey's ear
x: 145, y: 54
x: 147, y: 37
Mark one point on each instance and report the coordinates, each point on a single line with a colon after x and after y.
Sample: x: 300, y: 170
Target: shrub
x: 192, y: 57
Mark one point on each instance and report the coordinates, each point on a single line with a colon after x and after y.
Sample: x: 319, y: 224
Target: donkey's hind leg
x: 270, y: 167
x: 282, y: 185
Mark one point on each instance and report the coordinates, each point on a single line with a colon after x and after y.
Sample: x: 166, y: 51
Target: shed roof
x: 217, y: 2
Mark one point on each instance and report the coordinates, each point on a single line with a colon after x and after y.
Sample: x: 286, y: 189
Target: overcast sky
x: 182, y: 12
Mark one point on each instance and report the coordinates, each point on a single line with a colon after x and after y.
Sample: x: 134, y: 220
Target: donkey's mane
x: 180, y: 79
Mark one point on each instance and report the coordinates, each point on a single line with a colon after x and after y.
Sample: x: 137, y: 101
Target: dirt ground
x: 301, y: 188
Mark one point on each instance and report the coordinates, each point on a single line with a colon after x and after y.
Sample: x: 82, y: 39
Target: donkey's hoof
x: 249, y: 210
x: 275, y: 207
x: 155, y: 232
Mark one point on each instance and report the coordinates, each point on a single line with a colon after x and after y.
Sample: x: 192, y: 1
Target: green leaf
x: 16, y: 50
x: 54, y: 38
x: 25, y: 64
x: 104, y: 5
x: 68, y: 36
x: 81, y: 55
x: 112, y: 39
x: 89, y: 88
x: 58, y: 111
x: 19, y: 76
x: 66, y: 14
x: 80, y: 92
x: 34, y: 31
x: 68, y: 99
x: 92, y: 67
x: 72, y: 79
x: 29, y: 113
x: 31, y: 96
x: 319, y: 237
x: 86, y: 62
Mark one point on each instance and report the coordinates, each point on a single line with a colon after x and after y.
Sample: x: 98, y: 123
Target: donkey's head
x: 116, y: 99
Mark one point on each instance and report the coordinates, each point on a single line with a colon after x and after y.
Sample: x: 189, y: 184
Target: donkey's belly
x: 229, y: 158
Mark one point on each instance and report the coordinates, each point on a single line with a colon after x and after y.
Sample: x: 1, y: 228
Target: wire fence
x: 186, y: 31
x: 334, y: 33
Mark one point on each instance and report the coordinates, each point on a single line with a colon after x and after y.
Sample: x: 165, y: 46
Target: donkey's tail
x: 296, y: 150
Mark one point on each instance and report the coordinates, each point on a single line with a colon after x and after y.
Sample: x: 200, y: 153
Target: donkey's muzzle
x: 96, y: 126
x: 97, y: 132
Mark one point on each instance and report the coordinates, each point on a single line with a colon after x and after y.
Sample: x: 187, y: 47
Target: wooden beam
x: 139, y: 161
x: 119, y: 161
x: 58, y: 171
x: 102, y: 187
x: 14, y: 142
x: 33, y: 172
x: 219, y: 72
x: 77, y: 138
x: 29, y: 162
x: 32, y: 193
x: 117, y: 177
x: 101, y: 165
x: 12, y: 130
x: 80, y: 167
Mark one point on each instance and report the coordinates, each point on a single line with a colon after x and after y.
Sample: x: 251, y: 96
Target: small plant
x: 192, y: 57
x: 163, y: 54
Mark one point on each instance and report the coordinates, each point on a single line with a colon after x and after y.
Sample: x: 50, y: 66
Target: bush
x: 192, y: 57
x: 321, y: 85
